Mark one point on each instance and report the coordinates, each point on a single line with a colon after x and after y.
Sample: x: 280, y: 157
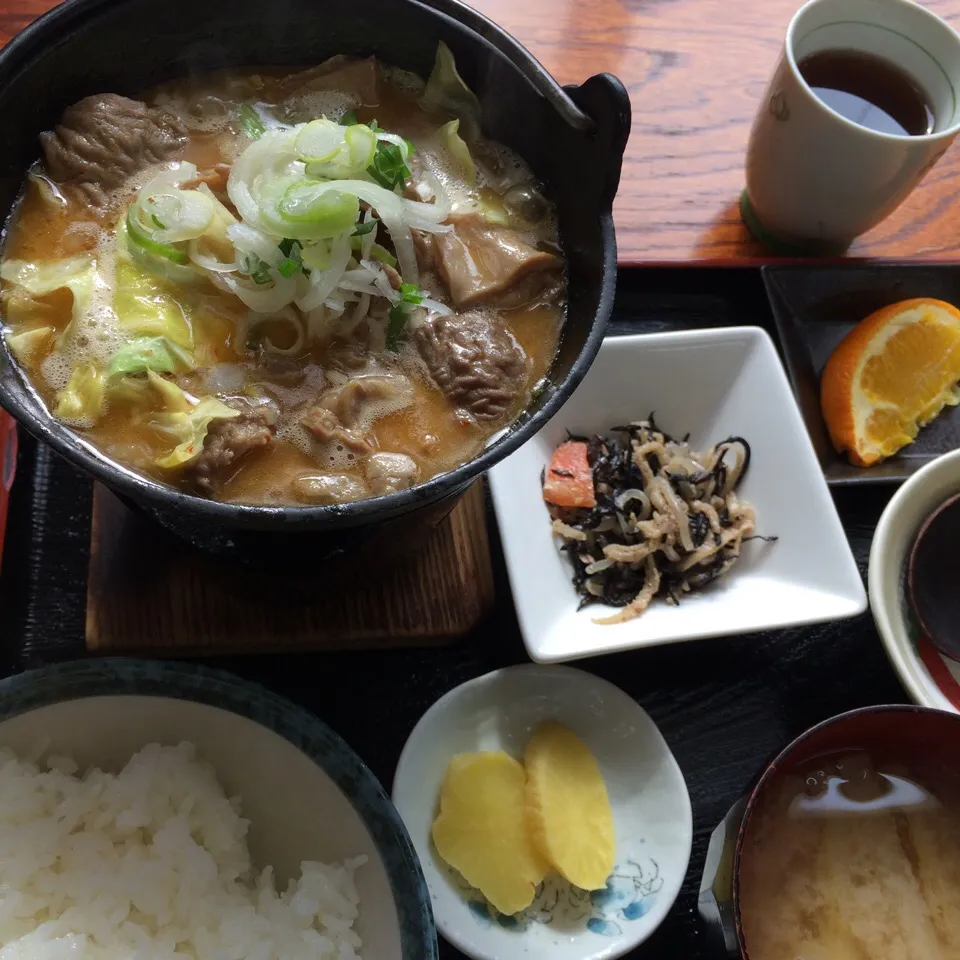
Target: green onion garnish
x: 257, y: 269
x: 389, y: 167
x: 157, y: 221
x: 383, y: 255
x: 288, y: 267
x: 409, y: 293
x: 136, y: 234
x: 408, y: 296
x: 250, y: 122
x: 395, y: 325
x: 349, y: 119
x: 367, y: 227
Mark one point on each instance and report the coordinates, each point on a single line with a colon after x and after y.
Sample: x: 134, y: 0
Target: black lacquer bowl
x: 572, y: 137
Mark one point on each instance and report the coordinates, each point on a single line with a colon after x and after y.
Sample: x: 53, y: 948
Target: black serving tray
x: 724, y: 705
x: 814, y: 308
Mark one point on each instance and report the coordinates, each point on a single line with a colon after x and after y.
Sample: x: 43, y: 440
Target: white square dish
x: 712, y: 384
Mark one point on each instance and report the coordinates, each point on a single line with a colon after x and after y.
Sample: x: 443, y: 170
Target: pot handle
x: 605, y: 101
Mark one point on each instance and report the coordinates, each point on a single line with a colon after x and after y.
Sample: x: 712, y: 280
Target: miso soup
x: 852, y: 858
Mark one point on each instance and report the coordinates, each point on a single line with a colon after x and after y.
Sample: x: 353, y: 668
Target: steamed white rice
x: 152, y: 864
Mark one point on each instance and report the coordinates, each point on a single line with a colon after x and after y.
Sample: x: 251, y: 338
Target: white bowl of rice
x: 153, y: 810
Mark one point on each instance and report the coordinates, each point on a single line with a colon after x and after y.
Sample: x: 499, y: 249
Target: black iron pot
x: 573, y: 138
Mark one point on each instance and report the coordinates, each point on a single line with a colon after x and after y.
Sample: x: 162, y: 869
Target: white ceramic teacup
x: 818, y: 180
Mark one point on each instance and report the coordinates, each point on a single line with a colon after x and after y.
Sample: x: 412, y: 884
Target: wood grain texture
x: 696, y: 70
x: 149, y: 594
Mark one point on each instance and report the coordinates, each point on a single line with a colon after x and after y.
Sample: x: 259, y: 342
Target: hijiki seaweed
x: 667, y: 520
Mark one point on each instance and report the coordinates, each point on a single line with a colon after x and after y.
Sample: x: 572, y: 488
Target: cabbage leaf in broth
x: 310, y: 287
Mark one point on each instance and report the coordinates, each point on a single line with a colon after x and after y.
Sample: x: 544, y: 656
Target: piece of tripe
x: 568, y: 809
x: 481, y: 829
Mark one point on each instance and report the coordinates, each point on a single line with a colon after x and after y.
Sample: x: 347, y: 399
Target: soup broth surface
x: 433, y: 369
x: 854, y: 859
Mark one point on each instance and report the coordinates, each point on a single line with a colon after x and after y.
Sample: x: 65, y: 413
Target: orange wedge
x: 891, y: 375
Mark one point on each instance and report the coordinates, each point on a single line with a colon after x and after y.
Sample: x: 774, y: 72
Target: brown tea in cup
x: 870, y: 91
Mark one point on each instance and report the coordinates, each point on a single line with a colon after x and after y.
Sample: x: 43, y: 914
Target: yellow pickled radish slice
x: 568, y: 810
x: 481, y: 829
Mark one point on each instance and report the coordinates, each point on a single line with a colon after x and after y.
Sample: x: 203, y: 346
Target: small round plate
x: 651, y: 810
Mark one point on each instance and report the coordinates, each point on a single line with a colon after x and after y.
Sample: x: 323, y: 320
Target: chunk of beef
x: 345, y: 414
x: 358, y: 77
x: 474, y: 361
x: 327, y: 488
x: 348, y: 355
x: 103, y: 140
x: 390, y: 473
x: 485, y: 263
x: 289, y: 371
x: 229, y: 441
x: 364, y: 399
x: 327, y: 427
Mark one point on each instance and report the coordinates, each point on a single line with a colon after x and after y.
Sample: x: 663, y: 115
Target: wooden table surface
x: 696, y: 70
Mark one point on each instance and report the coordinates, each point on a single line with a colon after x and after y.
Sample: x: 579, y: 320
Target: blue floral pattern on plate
x: 630, y: 893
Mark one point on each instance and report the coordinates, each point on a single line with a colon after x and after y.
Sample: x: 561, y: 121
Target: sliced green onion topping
x: 293, y: 257
x: 309, y: 201
x: 157, y: 221
x: 389, y: 167
x: 257, y: 269
x: 408, y: 296
x: 250, y: 122
x: 332, y: 151
x: 367, y: 227
x: 362, y: 144
x: 383, y: 255
x: 410, y: 293
x: 320, y: 141
x: 288, y: 267
x: 149, y: 245
x: 350, y: 118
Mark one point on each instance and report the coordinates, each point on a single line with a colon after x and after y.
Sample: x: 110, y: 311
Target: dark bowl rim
x: 71, y: 14
x: 771, y: 768
x: 118, y: 677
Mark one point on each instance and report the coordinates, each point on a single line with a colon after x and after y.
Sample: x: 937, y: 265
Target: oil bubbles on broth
x: 230, y: 228
x: 852, y: 857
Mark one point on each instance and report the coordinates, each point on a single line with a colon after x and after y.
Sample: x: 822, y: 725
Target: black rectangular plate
x: 814, y: 308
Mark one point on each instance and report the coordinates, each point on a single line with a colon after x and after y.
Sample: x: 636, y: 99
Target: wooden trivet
x: 150, y: 594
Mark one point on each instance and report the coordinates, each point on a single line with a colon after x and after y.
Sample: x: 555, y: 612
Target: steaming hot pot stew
x: 272, y: 287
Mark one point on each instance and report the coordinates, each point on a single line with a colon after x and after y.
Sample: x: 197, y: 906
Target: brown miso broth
x: 444, y: 314
x: 869, y: 91
x: 854, y: 858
